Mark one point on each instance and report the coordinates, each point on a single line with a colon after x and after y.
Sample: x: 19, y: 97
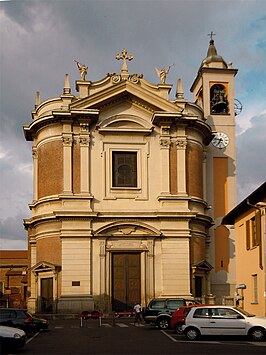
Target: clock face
x: 220, y: 140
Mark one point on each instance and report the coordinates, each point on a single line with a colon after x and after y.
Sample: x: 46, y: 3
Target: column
x: 67, y: 162
x: 84, y: 158
x: 165, y: 143
x: 102, y: 272
x: 181, y: 144
x: 204, y: 170
x: 35, y: 173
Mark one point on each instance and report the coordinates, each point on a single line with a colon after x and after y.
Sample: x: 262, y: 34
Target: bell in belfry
x: 219, y: 102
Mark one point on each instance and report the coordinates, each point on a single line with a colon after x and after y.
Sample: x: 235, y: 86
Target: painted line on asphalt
x: 122, y: 325
x: 169, y: 336
x: 262, y: 344
x: 30, y: 339
x: 189, y: 341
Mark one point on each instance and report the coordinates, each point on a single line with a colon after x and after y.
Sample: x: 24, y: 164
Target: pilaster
x: 165, y: 143
x: 84, y: 158
x: 67, y: 158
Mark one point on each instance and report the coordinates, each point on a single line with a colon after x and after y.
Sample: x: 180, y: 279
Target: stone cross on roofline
x: 211, y: 35
x: 124, y: 56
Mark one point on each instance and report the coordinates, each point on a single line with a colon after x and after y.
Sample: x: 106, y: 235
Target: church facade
x: 130, y: 188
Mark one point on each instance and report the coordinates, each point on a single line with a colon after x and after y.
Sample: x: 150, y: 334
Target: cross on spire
x: 211, y: 35
x: 124, y: 56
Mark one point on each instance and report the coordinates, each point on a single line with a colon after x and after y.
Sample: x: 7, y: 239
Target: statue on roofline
x: 162, y: 73
x: 83, y: 70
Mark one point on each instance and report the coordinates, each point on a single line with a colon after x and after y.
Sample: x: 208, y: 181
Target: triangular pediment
x: 203, y: 265
x: 124, y: 91
x: 44, y: 266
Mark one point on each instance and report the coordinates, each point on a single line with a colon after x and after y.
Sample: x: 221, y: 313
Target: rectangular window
x: 75, y: 283
x: 124, y: 169
x: 253, y: 232
x: 255, y: 288
x: 247, y: 235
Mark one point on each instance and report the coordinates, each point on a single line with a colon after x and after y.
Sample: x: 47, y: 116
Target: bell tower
x: 213, y: 90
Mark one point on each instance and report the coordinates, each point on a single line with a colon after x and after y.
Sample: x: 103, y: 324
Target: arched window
x: 218, y: 97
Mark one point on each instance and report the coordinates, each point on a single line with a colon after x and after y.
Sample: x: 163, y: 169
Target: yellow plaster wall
x: 220, y: 174
x: 247, y: 264
x: 222, y: 253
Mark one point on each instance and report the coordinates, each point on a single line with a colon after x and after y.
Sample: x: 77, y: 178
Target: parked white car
x: 11, y: 338
x: 223, y: 320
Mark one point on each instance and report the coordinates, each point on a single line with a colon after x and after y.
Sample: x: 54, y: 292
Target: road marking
x: 59, y: 327
x: 122, y: 325
x: 169, y: 336
x: 138, y: 325
x: 30, y: 339
x: 263, y: 344
x: 106, y: 325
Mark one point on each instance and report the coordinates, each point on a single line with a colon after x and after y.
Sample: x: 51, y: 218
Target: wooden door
x: 47, y: 294
x: 125, y: 281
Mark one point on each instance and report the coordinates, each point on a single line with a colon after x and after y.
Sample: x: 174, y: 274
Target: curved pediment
x: 125, y: 123
x: 127, y: 229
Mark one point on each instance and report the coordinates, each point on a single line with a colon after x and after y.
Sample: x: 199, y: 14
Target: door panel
x: 224, y: 321
x: 47, y: 294
x: 125, y: 280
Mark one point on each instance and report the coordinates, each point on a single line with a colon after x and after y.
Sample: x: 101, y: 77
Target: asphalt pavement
x: 120, y: 336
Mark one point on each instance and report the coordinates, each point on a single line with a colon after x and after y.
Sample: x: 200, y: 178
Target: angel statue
x: 162, y: 73
x: 83, y: 70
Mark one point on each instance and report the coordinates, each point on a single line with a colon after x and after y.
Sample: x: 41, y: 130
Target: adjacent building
x: 248, y: 220
x: 13, y: 278
x: 130, y: 188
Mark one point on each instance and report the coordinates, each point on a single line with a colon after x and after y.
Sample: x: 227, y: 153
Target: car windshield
x: 244, y: 312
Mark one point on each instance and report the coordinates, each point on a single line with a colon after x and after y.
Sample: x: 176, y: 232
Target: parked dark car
x: 11, y: 338
x: 21, y: 318
x: 159, y: 310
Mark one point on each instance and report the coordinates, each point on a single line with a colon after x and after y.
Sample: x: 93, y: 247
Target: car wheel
x: 163, y: 323
x: 192, y: 333
x: 178, y: 328
x: 257, y: 334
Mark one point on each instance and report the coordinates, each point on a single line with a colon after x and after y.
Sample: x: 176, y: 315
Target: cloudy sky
x: 40, y: 40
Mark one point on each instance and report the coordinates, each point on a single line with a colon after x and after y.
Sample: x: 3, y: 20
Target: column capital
x: 181, y: 144
x: 34, y: 153
x: 165, y: 143
x: 67, y: 140
x: 84, y: 141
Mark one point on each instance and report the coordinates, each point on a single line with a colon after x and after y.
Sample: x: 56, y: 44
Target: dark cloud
x: 251, y: 147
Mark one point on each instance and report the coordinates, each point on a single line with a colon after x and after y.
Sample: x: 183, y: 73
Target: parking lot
x: 120, y: 336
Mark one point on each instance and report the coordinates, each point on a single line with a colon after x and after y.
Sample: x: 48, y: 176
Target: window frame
x: 114, y: 183
x: 255, y: 289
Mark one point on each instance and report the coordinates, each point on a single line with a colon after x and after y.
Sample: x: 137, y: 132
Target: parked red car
x: 179, y: 316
